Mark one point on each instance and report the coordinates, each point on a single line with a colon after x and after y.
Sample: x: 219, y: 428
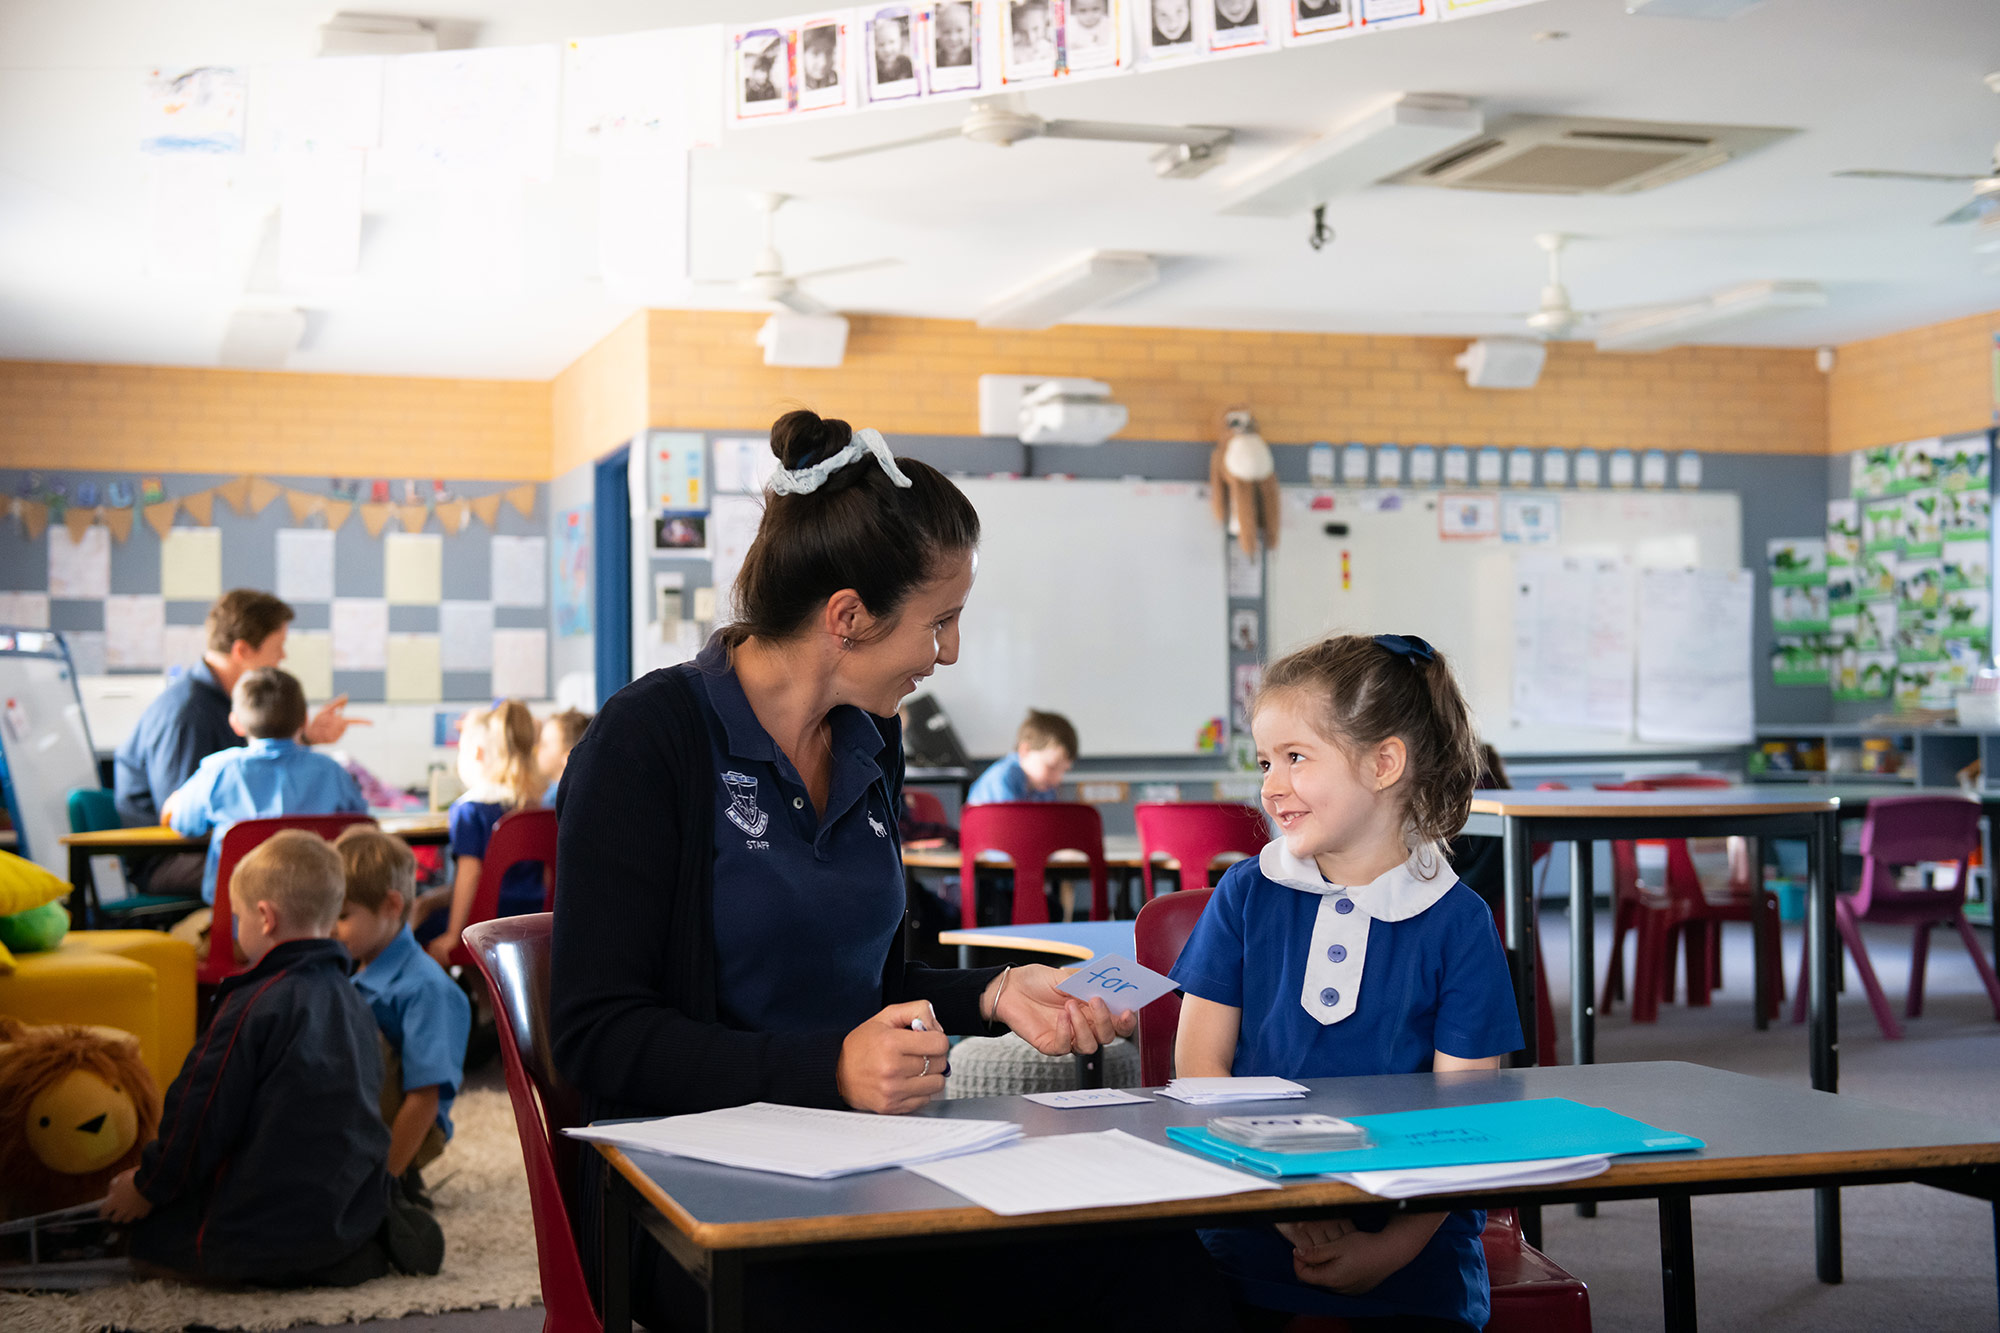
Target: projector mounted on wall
x: 1503, y: 363
x: 1040, y: 409
x: 809, y: 342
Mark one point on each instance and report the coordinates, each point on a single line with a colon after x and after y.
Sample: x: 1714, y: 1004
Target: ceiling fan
x: 1005, y: 120
x: 1985, y: 186
x: 769, y: 281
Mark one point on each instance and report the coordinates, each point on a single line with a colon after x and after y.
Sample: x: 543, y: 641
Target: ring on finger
x: 926, y: 1069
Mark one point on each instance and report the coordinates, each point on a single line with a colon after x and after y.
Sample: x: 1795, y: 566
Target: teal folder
x: 1457, y: 1136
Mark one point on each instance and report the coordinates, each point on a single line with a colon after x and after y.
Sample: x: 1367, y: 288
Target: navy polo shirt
x: 185, y: 724
x: 806, y: 907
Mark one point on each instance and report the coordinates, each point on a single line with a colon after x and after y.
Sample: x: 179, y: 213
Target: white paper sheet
x: 191, y: 564
x: 1063, y: 1171
x: 1246, y: 572
x: 79, y: 569
x: 306, y: 106
x: 1077, y: 1099
x: 1694, y: 657
x: 1411, y: 1183
x: 24, y: 610
x: 183, y: 645
x: 520, y: 571
x: 520, y: 663
x: 319, y: 216
x: 305, y: 565
x: 1575, y: 643
x: 1122, y: 984
x: 1220, y: 1091
x: 133, y: 631
x: 309, y: 656
x: 742, y: 467
x: 486, y: 109
x: 413, y: 568
x: 360, y: 634
x: 732, y: 526
x: 412, y: 674
x: 631, y: 93
x: 466, y: 629
x: 803, y: 1140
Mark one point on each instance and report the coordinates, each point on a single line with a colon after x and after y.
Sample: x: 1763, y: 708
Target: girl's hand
x: 441, y: 947
x: 123, y: 1202
x: 1049, y: 1020
x: 1318, y: 1232
x: 1360, y: 1261
x: 888, y: 1067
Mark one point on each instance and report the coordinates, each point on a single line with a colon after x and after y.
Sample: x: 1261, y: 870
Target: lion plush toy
x: 76, y: 1106
x: 1243, y: 482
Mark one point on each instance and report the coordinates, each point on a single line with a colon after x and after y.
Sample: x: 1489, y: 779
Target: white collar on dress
x: 1395, y: 895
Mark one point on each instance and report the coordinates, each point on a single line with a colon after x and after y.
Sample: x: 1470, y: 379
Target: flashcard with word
x: 1122, y: 984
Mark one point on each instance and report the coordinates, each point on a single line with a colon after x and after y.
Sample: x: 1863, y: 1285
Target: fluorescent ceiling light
x: 1689, y: 9
x: 1650, y: 330
x: 1357, y: 154
x: 1098, y: 277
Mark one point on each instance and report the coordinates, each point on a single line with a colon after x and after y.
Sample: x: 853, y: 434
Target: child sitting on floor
x: 424, y: 1018
x: 1349, y: 947
x: 268, y: 1165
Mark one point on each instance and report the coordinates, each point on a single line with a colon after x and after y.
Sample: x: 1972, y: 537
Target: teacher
x: 730, y: 890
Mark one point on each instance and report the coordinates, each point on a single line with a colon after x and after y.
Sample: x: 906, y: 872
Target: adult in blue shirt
x: 730, y: 892
x: 189, y: 720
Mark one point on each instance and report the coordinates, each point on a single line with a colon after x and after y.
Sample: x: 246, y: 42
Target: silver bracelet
x: 1005, y: 972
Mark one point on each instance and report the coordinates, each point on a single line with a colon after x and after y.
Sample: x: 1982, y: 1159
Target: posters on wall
x: 572, y: 573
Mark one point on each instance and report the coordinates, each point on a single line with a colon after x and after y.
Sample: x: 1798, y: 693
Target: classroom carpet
x: 481, y: 1191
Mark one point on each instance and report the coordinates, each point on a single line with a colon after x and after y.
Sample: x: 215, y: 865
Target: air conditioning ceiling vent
x: 1574, y: 155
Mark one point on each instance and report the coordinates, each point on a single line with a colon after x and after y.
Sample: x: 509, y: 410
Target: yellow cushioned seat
x: 173, y: 964
x: 138, y: 980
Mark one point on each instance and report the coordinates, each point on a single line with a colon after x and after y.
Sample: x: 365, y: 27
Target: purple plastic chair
x: 1902, y: 831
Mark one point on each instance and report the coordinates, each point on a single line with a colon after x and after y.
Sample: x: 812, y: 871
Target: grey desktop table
x: 720, y: 1223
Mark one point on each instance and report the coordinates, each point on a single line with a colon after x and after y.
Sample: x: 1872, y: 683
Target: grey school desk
x: 719, y: 1223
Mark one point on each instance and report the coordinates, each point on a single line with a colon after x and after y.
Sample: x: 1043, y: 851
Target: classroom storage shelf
x: 1926, y: 756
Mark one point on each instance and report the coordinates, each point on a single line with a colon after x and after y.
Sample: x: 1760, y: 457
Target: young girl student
x: 1349, y: 947
x: 496, y: 760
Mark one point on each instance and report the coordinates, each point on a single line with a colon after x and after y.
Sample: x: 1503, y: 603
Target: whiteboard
x: 44, y: 743
x: 1100, y: 600
x: 1402, y: 577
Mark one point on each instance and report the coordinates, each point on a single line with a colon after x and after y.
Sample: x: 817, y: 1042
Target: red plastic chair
x: 1028, y: 833
x: 1903, y: 831
x: 238, y: 841
x: 512, y: 954
x: 1531, y: 1294
x: 524, y: 835
x: 924, y: 806
x: 1195, y: 833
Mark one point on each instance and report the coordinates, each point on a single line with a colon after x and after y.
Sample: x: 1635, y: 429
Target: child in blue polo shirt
x: 1349, y: 947
x: 272, y: 775
x: 424, y: 1017
x: 1044, y: 748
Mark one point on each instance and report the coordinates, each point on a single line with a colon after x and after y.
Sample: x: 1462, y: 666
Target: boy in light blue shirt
x: 272, y: 775
x: 1044, y: 748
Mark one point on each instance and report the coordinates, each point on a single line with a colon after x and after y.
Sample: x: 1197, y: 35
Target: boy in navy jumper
x: 269, y: 1163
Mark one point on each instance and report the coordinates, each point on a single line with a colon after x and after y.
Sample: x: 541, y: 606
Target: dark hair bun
x: 802, y: 438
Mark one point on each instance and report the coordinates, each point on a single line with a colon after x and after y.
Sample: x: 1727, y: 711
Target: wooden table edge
x: 1662, y: 1172
x: 1026, y: 943
x: 1510, y: 809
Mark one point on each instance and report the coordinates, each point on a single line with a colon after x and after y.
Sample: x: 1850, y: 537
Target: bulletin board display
x: 1100, y: 600
x: 1422, y: 564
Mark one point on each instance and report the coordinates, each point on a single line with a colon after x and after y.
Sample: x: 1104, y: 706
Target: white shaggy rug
x: 481, y: 1191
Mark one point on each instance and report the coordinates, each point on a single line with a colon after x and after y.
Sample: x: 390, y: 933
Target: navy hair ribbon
x: 1408, y: 645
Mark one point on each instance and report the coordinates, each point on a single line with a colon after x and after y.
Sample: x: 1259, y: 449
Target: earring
x: 846, y: 643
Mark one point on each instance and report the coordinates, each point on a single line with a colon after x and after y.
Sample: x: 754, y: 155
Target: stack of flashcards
x: 1290, y: 1133
x: 1221, y: 1091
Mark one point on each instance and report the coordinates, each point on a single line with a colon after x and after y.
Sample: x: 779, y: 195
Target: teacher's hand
x: 329, y: 724
x: 1049, y: 1020
x: 887, y: 1067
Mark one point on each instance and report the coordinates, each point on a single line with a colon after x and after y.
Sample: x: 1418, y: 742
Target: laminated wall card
x: 182, y: 645
x: 133, y: 632
x: 520, y: 663
x: 412, y: 672
x: 413, y: 568
x: 309, y: 656
x: 79, y: 569
x: 520, y: 571
x: 360, y: 633
x: 24, y: 610
x: 191, y: 564
x: 305, y: 565
x: 466, y: 629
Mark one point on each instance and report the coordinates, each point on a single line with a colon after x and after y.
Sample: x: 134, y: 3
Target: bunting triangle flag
x: 522, y: 497
x: 486, y: 509
x: 160, y: 517
x: 34, y: 516
x: 375, y: 517
x: 200, y: 507
x: 262, y: 493
x: 79, y: 521
x: 413, y: 517
x: 237, y: 493
x: 119, y: 521
x: 303, y: 505
x: 336, y: 512
x: 451, y: 516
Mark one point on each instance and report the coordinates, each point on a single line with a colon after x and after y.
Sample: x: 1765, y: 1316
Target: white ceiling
x: 1869, y: 84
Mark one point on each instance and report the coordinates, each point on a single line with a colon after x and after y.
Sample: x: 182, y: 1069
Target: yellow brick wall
x: 920, y: 376
x: 169, y: 419
x: 1936, y: 380
x: 599, y: 402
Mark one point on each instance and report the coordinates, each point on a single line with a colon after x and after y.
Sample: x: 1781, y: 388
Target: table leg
x: 616, y: 1295
x: 1582, y: 954
x: 725, y: 1293
x: 1761, y: 927
x: 1824, y: 1038
x: 1677, y: 1262
x: 78, y: 905
x: 1520, y: 886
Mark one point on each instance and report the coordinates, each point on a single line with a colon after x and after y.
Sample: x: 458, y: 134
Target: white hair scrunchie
x: 806, y: 480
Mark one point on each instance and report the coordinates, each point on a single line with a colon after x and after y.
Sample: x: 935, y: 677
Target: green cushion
x: 36, y: 930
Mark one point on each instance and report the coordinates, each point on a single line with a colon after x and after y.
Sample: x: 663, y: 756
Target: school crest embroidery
x: 743, y: 811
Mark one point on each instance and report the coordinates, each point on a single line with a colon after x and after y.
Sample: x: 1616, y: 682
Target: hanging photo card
x: 1966, y: 564
x: 1167, y: 29
x: 1388, y: 465
x: 1468, y: 517
x: 1967, y: 515
x: 1871, y: 472
x: 1354, y: 465
x: 1489, y: 466
x: 762, y: 67
x: 1028, y: 32
x: 952, y: 31
x: 1919, y: 584
x: 1687, y: 471
x: 1923, y: 528
x: 1881, y: 526
x: 1588, y: 469
x: 1842, y: 598
x: 1093, y: 35
x: 1875, y: 580
x: 1236, y: 25
x: 1320, y: 465
x: 1521, y: 467
x: 1844, y: 665
x: 1965, y: 464
x: 1423, y: 465
x: 1876, y: 626
x: 1318, y: 20
x: 1623, y: 469
x: 1529, y: 520
x: 1843, y: 533
x: 1798, y: 661
x: 1968, y: 615
x: 1653, y: 469
x: 888, y: 53
x: 824, y: 66
x: 1796, y: 561
x: 1799, y: 610
x: 1457, y: 466
x: 193, y: 111
x: 1555, y: 468
x: 1915, y: 462
x: 1397, y: 11
x: 1920, y: 637
x: 1876, y: 671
